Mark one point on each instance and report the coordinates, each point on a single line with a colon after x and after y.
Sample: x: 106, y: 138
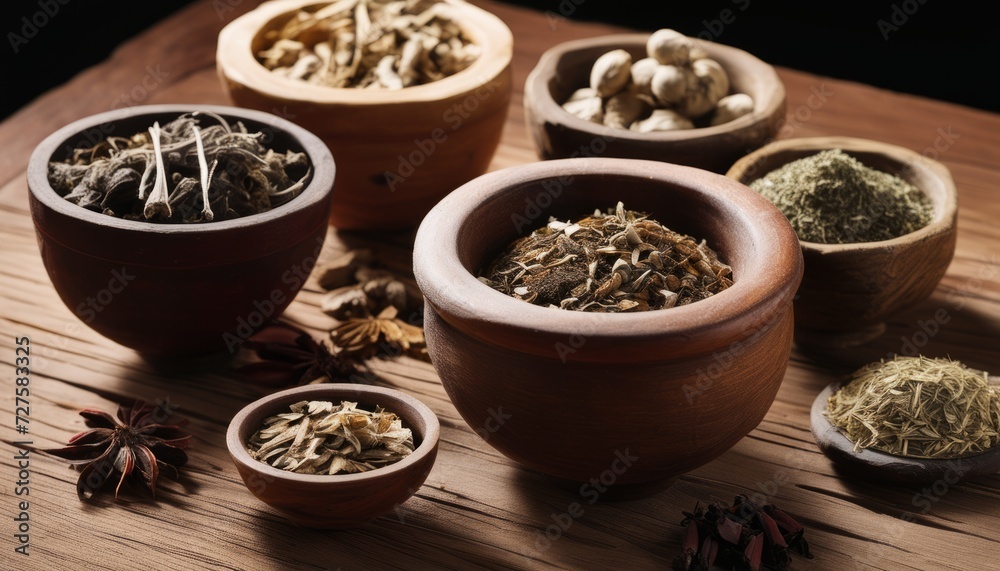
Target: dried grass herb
x: 182, y: 172
x: 832, y: 198
x: 609, y: 262
x: 318, y: 437
x: 370, y: 44
x: 918, y: 407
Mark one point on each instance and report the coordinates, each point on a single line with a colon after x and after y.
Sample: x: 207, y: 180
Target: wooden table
x: 477, y: 509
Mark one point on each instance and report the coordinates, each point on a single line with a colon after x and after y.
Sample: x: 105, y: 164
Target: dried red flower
x: 112, y: 449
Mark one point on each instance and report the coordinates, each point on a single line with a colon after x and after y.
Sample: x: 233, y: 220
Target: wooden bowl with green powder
x: 887, y: 216
x: 912, y: 419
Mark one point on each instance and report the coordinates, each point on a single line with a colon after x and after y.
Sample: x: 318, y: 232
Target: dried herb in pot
x: 746, y: 535
x: 832, y: 198
x: 370, y: 44
x: 319, y: 437
x: 609, y: 262
x: 918, y: 407
x: 196, y: 168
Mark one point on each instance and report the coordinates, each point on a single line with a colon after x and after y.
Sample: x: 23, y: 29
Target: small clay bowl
x: 633, y: 399
x: 170, y: 290
x: 566, y: 67
x: 340, y: 500
x: 872, y: 464
x: 398, y: 151
x: 850, y: 289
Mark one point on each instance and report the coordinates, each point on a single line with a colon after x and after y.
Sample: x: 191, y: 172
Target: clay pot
x: 633, y: 399
x: 168, y: 290
x: 849, y: 290
x: 398, y: 151
x: 339, y: 500
x: 559, y: 134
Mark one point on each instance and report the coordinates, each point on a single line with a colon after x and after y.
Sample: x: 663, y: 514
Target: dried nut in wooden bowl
x: 629, y: 93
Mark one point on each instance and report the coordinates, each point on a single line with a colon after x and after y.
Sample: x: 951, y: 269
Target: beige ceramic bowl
x: 398, y: 152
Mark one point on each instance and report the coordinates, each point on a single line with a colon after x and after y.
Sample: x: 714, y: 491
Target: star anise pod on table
x: 135, y: 445
x: 385, y: 334
x: 291, y: 356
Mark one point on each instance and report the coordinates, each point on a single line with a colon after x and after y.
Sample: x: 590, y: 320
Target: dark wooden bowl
x: 850, y: 289
x: 431, y: 138
x: 341, y: 500
x: 170, y: 289
x: 874, y: 465
x: 565, y: 68
x: 574, y: 394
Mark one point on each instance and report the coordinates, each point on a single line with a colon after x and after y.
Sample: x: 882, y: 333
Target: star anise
x: 290, y: 356
x: 135, y: 445
x: 384, y: 334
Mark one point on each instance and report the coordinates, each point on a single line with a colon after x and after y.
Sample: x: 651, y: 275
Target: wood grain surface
x: 477, y: 509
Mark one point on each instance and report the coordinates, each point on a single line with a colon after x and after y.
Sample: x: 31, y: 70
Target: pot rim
x: 758, y: 297
x: 392, y: 400
x: 236, y: 61
x: 539, y: 96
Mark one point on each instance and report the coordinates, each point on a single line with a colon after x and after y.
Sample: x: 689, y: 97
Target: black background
x: 941, y: 49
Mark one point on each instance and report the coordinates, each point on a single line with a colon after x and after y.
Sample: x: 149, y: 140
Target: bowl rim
x: 537, y: 93
x: 314, y: 192
x: 393, y: 401
x: 236, y: 62
x: 944, y: 218
x: 762, y: 291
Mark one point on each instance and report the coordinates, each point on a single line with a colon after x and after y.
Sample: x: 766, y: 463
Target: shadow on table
x: 932, y: 328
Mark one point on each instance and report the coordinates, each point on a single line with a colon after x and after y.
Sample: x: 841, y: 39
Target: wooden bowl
x: 340, y: 500
x: 559, y: 134
x: 875, y: 465
x: 631, y: 399
x: 178, y: 289
x: 850, y: 289
x: 398, y: 152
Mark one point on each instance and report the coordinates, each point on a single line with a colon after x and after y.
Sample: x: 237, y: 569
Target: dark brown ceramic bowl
x: 566, y: 68
x: 398, y: 151
x: 170, y: 289
x: 340, y: 500
x: 631, y: 399
x: 850, y: 289
x: 871, y: 464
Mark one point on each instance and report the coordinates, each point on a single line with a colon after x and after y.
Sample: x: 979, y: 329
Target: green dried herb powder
x: 918, y: 407
x: 831, y: 198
